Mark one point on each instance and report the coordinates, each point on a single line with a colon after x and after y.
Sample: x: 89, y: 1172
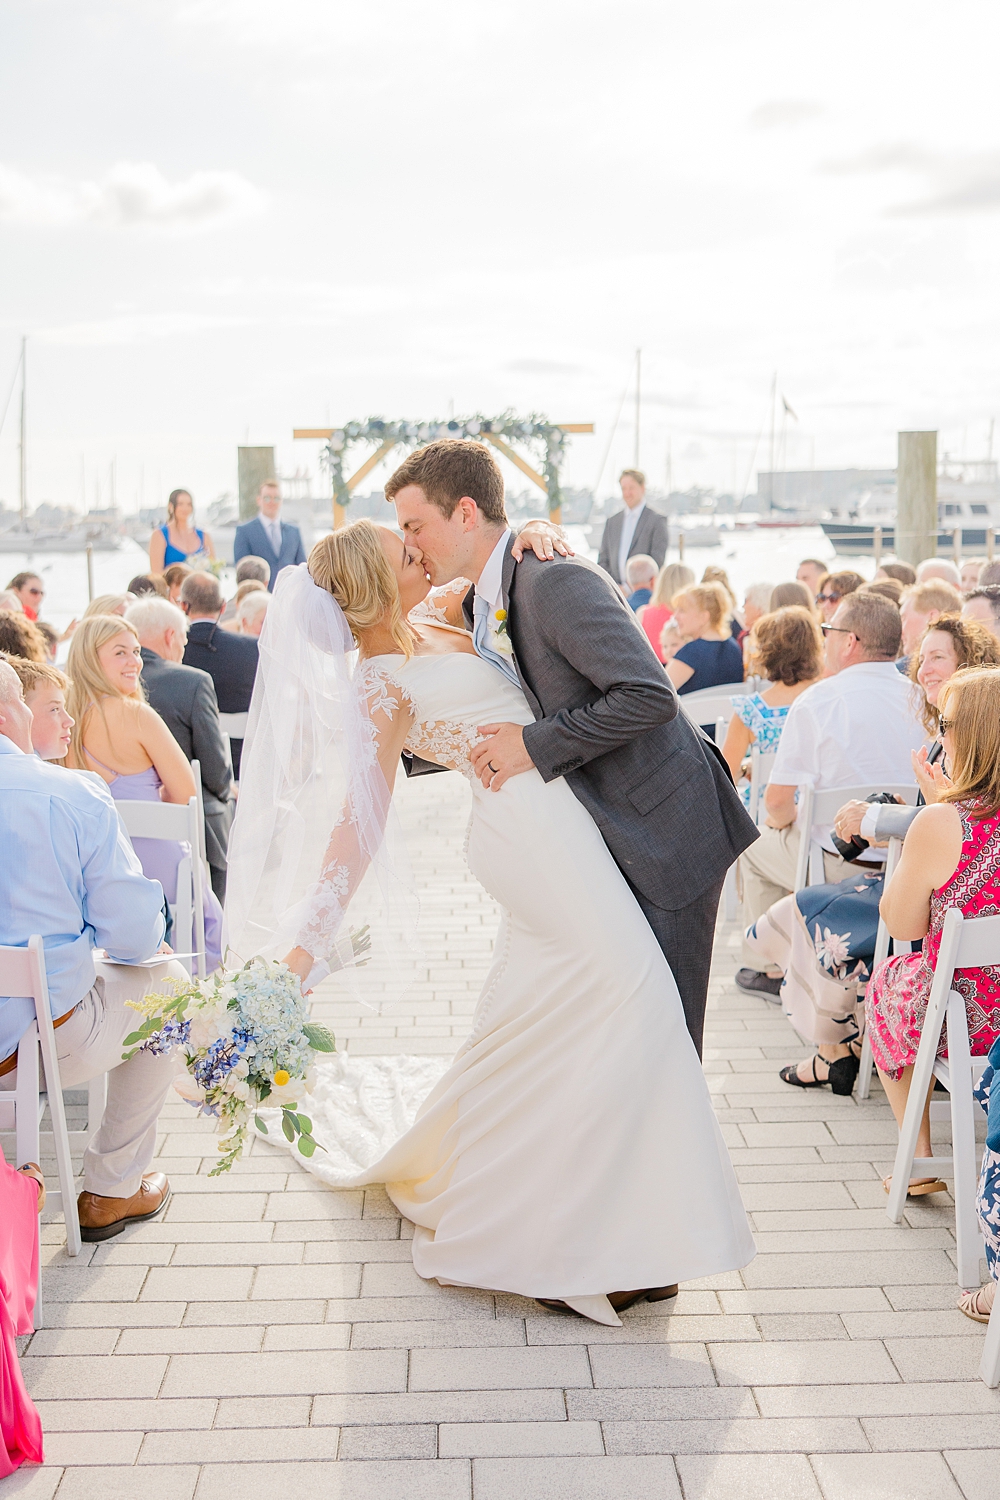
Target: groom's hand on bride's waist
x: 500, y: 755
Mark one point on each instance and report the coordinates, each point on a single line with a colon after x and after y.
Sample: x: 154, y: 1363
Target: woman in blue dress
x: 179, y: 540
x: 709, y: 656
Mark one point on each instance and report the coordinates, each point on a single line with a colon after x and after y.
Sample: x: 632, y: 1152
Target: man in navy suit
x: 267, y: 536
x: 230, y: 660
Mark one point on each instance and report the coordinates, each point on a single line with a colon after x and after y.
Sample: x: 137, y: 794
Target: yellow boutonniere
x: 501, y: 619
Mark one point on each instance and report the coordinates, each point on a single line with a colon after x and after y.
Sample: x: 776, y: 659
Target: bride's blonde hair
x: 351, y: 565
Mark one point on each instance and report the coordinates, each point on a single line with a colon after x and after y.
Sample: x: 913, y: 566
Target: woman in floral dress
x: 787, y: 648
x: 951, y: 857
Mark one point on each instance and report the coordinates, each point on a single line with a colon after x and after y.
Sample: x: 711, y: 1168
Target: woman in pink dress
x: 22, y: 1195
x: 951, y: 857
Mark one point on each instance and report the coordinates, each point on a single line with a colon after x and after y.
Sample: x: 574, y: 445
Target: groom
x: 606, y: 715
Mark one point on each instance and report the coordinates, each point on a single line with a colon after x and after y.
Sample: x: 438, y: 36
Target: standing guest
x: 252, y: 613
x: 174, y: 577
x: 970, y: 571
x: 857, y: 726
x: 109, y: 604
x: 22, y: 1198
x: 653, y: 616
x: 938, y: 567
x: 70, y: 875
x: 44, y: 689
x: 787, y: 648
x: 901, y: 571
x: 833, y: 587
x: 919, y: 607
x: 230, y: 660
x: 248, y: 570
x: 951, y: 857
x: 269, y: 537
x: 983, y: 604
x: 179, y: 539
x: 640, y: 576
x: 10, y: 603
x: 30, y: 589
x: 632, y: 530
x: 19, y: 637
x: 149, y: 583
x: 795, y: 594
x: 989, y: 573
x: 811, y: 572
x: 117, y: 734
x: 709, y: 656
x: 184, y: 698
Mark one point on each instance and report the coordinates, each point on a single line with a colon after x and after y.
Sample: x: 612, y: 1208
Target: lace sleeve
x: 357, y: 835
x: 443, y: 606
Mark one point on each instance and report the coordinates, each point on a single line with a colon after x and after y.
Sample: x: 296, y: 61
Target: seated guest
x: 641, y: 573
x: 51, y: 638
x: 823, y: 937
x: 978, y: 1303
x: 174, y: 577
x: 793, y: 593
x: 833, y: 587
x: 248, y: 570
x: 983, y: 604
x: 919, y: 606
x: 69, y: 875
x: 988, y: 573
x: 149, y: 583
x: 969, y: 572
x: 938, y: 567
x: 756, y: 604
x: 889, y: 588
x: 184, y: 698
x: 857, y: 726
x: 30, y: 589
x: 901, y: 571
x: 44, y: 688
x: 951, y: 857
x: 22, y: 1197
x: 252, y: 613
x: 108, y: 604
x: 117, y: 734
x: 811, y: 572
x: 230, y: 660
x: 671, y: 578
x: 20, y: 637
x: 787, y: 649
x: 10, y: 603
x: 709, y: 657
x: 228, y: 617
x: 714, y: 574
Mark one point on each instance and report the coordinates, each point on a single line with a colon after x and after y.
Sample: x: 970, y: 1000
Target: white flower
x: 188, y: 1089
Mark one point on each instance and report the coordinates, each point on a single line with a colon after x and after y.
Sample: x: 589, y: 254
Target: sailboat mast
x: 638, y: 402
x: 24, y: 419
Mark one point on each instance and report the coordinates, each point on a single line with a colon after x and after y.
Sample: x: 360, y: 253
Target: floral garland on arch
x: 534, y: 431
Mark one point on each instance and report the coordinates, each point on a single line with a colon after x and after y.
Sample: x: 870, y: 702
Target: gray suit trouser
x: 687, y: 937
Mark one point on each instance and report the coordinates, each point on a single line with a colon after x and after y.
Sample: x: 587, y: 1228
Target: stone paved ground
x: 270, y: 1336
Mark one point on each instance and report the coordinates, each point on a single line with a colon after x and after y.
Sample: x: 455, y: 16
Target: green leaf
x: 265, y: 1090
x: 305, y: 1124
x: 260, y: 1125
x: 287, y: 1127
x: 132, y: 1038
x: 306, y: 1145
x: 319, y: 1037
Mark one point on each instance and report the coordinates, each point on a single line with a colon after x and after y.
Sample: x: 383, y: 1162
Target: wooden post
x: 90, y: 574
x: 680, y: 546
x: 916, y: 514
x: 877, y: 542
x: 990, y: 541
x: 254, y: 466
x: 956, y: 546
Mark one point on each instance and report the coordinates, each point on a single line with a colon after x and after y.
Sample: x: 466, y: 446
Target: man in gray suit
x: 278, y: 542
x: 606, y: 714
x: 184, y: 697
x: 633, y: 530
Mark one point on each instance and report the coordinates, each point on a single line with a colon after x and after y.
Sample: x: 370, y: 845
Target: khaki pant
x: 91, y: 1043
x: 767, y: 872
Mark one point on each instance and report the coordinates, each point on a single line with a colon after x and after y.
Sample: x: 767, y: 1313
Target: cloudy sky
x: 220, y: 219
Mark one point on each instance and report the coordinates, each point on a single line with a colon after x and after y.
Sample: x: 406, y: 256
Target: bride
x: 570, y: 1153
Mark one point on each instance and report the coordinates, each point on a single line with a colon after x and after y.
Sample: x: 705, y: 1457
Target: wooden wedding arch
x: 537, y: 434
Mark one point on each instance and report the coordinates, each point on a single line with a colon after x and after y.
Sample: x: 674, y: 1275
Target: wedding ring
x: 492, y: 767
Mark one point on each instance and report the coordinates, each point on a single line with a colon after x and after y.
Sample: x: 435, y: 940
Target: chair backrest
x: 22, y: 972
x: 177, y: 821
x: 821, y: 807
x: 761, y: 766
x: 234, y: 725
x: 978, y: 942
x: 710, y: 706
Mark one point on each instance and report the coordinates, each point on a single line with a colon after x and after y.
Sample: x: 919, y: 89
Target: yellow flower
x: 500, y: 615
x: 281, y: 1078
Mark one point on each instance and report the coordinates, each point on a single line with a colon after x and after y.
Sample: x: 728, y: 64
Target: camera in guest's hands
x: 852, y: 849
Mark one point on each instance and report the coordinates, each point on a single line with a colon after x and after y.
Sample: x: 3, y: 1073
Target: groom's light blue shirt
x: 489, y: 597
x: 69, y: 874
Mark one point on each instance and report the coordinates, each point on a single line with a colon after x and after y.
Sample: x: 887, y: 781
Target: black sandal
x: 841, y: 1074
x: 791, y: 1074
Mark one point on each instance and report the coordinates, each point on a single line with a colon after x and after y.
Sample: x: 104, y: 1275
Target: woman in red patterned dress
x: 951, y: 857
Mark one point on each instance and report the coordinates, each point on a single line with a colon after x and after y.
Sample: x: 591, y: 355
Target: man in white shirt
x: 857, y: 726
x: 633, y: 530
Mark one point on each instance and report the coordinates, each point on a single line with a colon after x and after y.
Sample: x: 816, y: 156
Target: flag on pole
x: 788, y: 409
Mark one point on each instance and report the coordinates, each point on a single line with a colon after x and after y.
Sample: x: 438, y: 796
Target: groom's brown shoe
x: 622, y: 1300
x: 101, y: 1218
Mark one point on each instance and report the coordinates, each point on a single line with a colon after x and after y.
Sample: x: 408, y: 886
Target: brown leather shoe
x: 662, y: 1293
x: 101, y: 1218
x: 621, y: 1301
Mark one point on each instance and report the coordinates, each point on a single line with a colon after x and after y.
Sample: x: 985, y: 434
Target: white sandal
x: 978, y: 1304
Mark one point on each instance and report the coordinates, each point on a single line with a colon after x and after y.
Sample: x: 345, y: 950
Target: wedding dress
x: 571, y: 1148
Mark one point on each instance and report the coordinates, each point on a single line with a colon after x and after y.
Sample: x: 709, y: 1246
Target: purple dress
x: 160, y: 857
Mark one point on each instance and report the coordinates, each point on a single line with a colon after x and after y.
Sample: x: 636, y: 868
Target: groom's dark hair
x: 447, y: 470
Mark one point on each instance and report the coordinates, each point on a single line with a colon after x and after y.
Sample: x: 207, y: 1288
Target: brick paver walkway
x: 271, y: 1337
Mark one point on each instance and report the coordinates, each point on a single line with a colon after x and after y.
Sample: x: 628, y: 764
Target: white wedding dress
x: 571, y: 1148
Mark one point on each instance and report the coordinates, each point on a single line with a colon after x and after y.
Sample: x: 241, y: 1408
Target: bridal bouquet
x: 246, y: 1039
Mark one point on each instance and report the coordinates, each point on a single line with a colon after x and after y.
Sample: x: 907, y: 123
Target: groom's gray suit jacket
x: 607, y: 718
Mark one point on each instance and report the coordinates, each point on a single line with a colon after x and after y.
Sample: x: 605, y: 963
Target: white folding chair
x: 882, y: 942
x: 972, y: 943
x: 22, y: 972
x: 989, y: 1366
x: 179, y: 822
x: 761, y: 766
x: 819, y: 808
x: 710, y: 706
x: 234, y: 725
